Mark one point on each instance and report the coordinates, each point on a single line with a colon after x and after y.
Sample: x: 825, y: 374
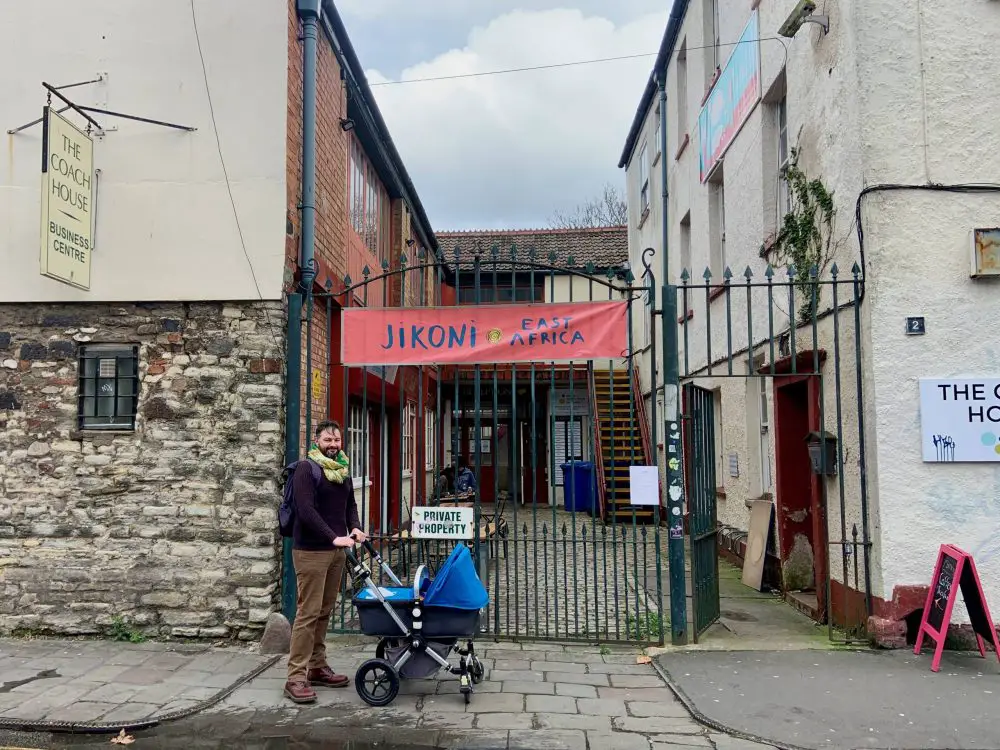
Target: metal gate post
x: 671, y: 392
x: 293, y: 395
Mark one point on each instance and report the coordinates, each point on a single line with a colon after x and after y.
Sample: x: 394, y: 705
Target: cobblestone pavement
x: 536, y: 696
x: 558, y: 575
x: 82, y: 682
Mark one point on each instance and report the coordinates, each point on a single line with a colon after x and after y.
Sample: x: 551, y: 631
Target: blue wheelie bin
x: 578, y: 486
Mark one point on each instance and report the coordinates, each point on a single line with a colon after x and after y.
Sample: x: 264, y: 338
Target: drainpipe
x: 671, y: 394
x: 308, y: 11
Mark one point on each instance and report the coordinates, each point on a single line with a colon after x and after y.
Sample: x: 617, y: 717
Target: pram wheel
x: 381, y: 650
x: 477, y: 671
x: 377, y: 682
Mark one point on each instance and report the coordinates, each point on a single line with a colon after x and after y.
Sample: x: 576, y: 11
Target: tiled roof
x: 605, y: 247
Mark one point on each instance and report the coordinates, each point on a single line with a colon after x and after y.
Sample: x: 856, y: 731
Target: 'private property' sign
x: 442, y: 523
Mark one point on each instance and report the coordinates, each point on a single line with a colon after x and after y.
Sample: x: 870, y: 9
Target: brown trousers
x: 319, y: 576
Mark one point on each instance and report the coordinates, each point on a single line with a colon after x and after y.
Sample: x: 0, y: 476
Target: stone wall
x: 171, y: 527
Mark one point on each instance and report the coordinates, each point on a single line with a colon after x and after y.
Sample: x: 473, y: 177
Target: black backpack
x: 286, y: 511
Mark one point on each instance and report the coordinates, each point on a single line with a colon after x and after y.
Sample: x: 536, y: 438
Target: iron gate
x: 783, y: 352
x: 700, y: 453
x: 554, y: 569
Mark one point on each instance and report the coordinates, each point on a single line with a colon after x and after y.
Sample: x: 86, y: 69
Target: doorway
x: 800, y: 518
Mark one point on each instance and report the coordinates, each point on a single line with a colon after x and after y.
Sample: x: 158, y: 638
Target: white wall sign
x: 644, y: 485
x: 960, y: 419
x: 442, y: 523
x: 67, y: 201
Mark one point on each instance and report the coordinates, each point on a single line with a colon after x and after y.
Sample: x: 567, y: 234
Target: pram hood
x: 457, y: 584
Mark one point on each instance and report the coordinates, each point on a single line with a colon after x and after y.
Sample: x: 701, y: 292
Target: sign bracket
x: 83, y: 110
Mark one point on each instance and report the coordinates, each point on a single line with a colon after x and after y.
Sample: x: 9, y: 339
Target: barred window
x: 109, y: 386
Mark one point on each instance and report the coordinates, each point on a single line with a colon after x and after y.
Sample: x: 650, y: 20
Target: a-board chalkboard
x: 955, y: 570
x: 941, y: 588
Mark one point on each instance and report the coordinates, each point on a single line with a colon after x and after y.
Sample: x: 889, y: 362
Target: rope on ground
x: 100, y: 727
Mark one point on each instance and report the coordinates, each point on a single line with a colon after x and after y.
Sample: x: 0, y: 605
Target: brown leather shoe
x: 300, y: 692
x: 326, y: 677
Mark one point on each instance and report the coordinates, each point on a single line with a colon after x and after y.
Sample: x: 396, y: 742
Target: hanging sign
x: 67, y: 200
x: 960, y: 419
x: 955, y: 570
x: 484, y: 334
x: 442, y: 523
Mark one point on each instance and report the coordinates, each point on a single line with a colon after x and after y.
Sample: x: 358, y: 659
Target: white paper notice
x: 644, y: 485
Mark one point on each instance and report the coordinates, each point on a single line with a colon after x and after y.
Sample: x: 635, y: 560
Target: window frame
x: 367, y: 203
x: 358, y: 443
x: 127, y: 352
x: 784, y: 198
x: 568, y: 455
x: 409, y: 438
x: 643, y: 182
x: 430, y: 438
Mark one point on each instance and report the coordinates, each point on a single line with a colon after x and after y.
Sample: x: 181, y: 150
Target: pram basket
x: 419, y: 625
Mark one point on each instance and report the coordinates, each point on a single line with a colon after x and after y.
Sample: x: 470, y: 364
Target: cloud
x: 506, y: 151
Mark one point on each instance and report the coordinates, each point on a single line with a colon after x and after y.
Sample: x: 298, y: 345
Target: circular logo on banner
x: 494, y: 335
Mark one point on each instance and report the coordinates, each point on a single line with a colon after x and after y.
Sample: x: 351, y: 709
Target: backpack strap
x: 317, y: 471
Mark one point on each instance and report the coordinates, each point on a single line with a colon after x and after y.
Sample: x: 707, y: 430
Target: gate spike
x: 769, y: 272
x: 402, y: 260
x: 748, y: 273
x: 591, y: 268
x: 834, y: 270
x: 552, y: 257
x: 856, y: 269
x: 495, y: 251
x: 708, y: 274
x: 727, y: 274
x: 421, y: 254
x: 570, y: 261
x: 813, y: 271
x: 791, y: 271
x: 347, y: 280
x: 366, y: 271
x: 385, y: 264
x: 513, y: 251
x: 629, y: 276
x: 532, y: 253
x: 685, y: 275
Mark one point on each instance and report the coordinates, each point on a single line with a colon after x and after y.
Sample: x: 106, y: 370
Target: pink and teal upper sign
x: 732, y: 100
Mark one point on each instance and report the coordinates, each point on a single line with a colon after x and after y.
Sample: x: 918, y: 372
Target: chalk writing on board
x: 942, y: 591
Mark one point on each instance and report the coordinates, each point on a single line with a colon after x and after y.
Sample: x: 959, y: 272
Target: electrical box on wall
x: 985, y: 247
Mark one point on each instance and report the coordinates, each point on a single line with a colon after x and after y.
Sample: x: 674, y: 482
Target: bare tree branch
x: 609, y: 209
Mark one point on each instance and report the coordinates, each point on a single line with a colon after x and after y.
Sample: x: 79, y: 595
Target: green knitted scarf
x: 336, y: 469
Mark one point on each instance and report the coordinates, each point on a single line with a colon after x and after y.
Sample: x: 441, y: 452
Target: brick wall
x: 331, y: 204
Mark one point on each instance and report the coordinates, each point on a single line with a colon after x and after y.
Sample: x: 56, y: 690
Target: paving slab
x: 106, y: 683
x: 845, y: 699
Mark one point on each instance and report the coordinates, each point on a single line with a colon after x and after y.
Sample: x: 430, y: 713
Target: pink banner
x: 484, y: 334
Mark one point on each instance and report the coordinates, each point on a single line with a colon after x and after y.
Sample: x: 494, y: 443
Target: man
x: 465, y: 480
x: 326, y: 519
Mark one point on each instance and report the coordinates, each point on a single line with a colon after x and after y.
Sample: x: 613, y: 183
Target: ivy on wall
x: 805, y: 238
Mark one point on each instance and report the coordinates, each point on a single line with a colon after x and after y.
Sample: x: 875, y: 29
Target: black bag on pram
x: 419, y: 625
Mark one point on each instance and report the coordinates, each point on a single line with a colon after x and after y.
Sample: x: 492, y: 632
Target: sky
x: 506, y: 151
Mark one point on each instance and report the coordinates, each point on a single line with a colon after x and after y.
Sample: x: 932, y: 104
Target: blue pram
x: 419, y: 625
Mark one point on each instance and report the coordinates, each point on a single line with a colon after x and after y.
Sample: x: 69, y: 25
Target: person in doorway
x: 326, y: 525
x: 445, y: 483
x: 465, y: 480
